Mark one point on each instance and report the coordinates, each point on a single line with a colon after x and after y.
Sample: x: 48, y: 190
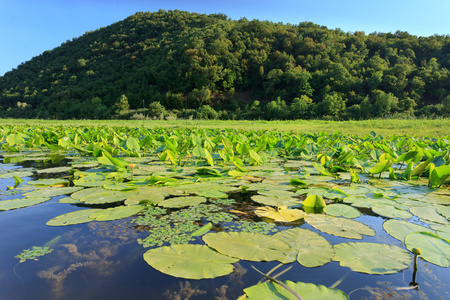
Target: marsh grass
x: 384, y: 127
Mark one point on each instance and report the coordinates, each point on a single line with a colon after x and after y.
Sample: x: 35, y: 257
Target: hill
x: 179, y: 61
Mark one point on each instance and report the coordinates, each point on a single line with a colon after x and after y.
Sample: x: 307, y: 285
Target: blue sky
x: 29, y: 27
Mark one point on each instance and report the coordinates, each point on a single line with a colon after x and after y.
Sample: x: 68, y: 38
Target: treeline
x: 185, y: 64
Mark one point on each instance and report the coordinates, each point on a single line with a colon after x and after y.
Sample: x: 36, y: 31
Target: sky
x: 30, y: 27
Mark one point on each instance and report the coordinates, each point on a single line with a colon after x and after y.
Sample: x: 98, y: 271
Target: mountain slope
x: 185, y: 60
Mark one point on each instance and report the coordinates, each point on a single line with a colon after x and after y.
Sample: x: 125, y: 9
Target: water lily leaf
x: 280, y: 214
x: 342, y: 210
x: 314, y: 201
x: 321, y: 169
x: 152, y: 194
x: 75, y: 217
x: 434, y: 249
x: 444, y: 232
x: 339, y: 226
x: 246, y: 245
x: 310, y: 291
x: 189, y: 261
x: 444, y: 211
x: 103, y: 196
x: 54, y: 170
x: 390, y: 211
x: 213, y: 194
x: 307, y: 247
x: 399, y: 229
x: 52, y: 192
x: 372, y: 258
x: 20, y: 203
x: 18, y: 174
x: 48, y: 182
x: 428, y: 213
x: 86, y: 192
x: 182, y: 201
x: 115, y: 186
x: 115, y: 213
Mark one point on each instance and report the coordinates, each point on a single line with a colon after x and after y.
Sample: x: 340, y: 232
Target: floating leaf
x: 75, y: 217
x: 276, y: 201
x: 151, y: 194
x: 246, y: 245
x: 33, y: 253
x: 182, y: 201
x: 280, y: 214
x: 428, y: 213
x: 307, y: 247
x: 47, y: 182
x: 20, y: 203
x: 372, y: 258
x: 189, y: 261
x: 52, y: 192
x: 390, y: 211
x: 434, y: 249
x: 18, y: 174
x: 54, y: 170
x: 270, y: 290
x: 103, y: 196
x: 444, y: 211
x: 399, y: 229
x: 115, y: 213
x: 339, y: 226
x: 342, y: 210
x: 444, y: 232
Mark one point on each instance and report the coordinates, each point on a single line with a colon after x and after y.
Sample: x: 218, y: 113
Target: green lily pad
x: 444, y: 211
x: 310, y: 291
x: 372, y: 258
x: 434, y: 249
x: 52, y: 192
x: 182, y: 201
x: 342, y: 210
x: 146, y: 193
x: 399, y: 229
x: 20, y: 203
x: 246, y: 245
x: 314, y: 201
x: 18, y: 174
x: 75, y: 217
x: 115, y: 213
x: 429, y: 213
x: 390, y: 211
x: 47, y: 182
x: 114, y: 186
x: 189, y: 261
x: 444, y: 232
x: 307, y: 247
x: 103, y: 196
x: 339, y: 226
x: 54, y: 170
x: 276, y: 201
x: 280, y: 214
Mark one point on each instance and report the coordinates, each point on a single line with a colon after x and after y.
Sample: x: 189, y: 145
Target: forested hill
x: 192, y: 62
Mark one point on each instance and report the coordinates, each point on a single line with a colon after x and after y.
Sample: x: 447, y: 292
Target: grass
x: 388, y: 127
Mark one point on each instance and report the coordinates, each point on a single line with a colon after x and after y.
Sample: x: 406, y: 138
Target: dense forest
x: 181, y: 64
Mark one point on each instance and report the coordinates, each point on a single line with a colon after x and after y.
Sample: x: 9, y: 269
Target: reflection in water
x: 96, y: 254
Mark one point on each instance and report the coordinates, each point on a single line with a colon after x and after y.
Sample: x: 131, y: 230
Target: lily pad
x: 182, y: 201
x: 52, y: 192
x: 147, y: 193
x: 429, y: 213
x: 104, y: 196
x: 246, y: 245
x: 18, y: 174
x: 54, y: 170
x: 314, y: 201
x: 309, y: 248
x: 339, y: 226
x: 399, y: 229
x: 434, y: 249
x: 115, y: 213
x: 308, y: 291
x: 48, y: 182
x: 280, y: 214
x: 444, y: 211
x: 189, y: 261
x: 20, y: 203
x: 75, y: 217
x: 276, y: 201
x: 444, y: 232
x: 341, y: 210
x: 372, y: 258
x: 390, y: 211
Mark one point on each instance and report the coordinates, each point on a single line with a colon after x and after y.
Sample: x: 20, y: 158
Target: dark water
x: 102, y: 260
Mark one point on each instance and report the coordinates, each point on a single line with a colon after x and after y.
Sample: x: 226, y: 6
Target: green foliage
x: 33, y: 253
x: 296, y: 71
